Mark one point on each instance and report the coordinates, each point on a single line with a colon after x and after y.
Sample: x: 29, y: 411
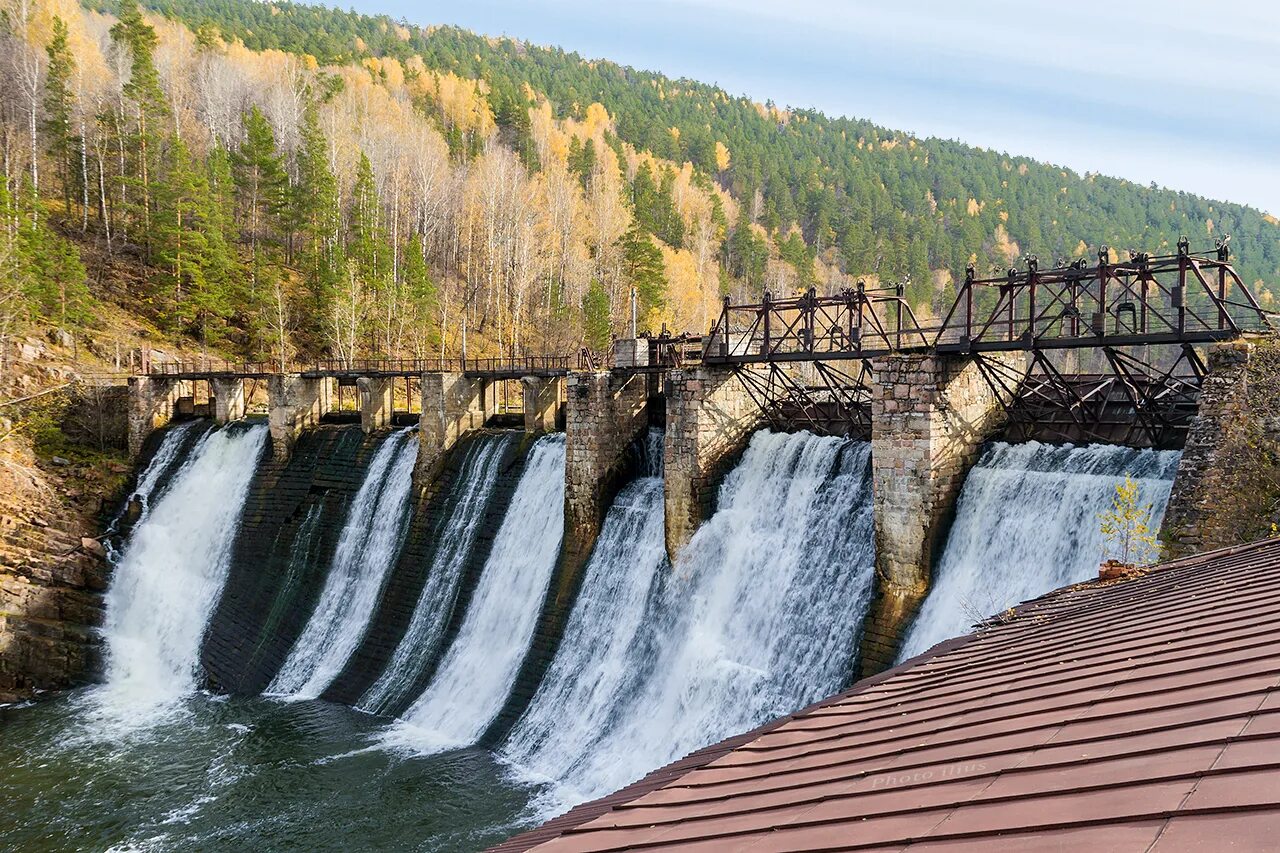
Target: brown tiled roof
x: 1138, y: 715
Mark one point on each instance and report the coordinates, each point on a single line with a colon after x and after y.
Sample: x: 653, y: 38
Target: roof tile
x: 1107, y: 716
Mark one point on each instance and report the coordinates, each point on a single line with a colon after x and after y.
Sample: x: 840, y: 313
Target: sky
x: 1181, y: 93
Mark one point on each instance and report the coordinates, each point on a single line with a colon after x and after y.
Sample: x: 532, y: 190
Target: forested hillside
x: 288, y: 181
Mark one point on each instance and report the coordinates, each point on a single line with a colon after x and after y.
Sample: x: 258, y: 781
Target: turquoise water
x: 239, y: 774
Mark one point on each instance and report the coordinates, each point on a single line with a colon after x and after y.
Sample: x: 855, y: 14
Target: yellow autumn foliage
x: 722, y: 156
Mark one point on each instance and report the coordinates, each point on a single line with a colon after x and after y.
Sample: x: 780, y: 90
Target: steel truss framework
x: 829, y: 400
x: 1150, y: 299
x: 1137, y: 402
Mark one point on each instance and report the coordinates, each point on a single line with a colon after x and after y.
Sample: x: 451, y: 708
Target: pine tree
x: 135, y: 35
x: 596, y: 319
x: 642, y: 269
x: 43, y: 276
x: 314, y: 216
x: 261, y: 189
x: 223, y: 295
x: 60, y: 142
x: 178, y: 241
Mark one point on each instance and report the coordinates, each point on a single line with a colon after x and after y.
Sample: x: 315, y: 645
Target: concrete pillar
x: 541, y: 402
x: 377, y: 402
x: 152, y: 400
x: 452, y: 404
x: 930, y: 415
x: 604, y: 414
x: 228, y: 399
x: 489, y: 398
x: 710, y: 418
x: 295, y: 402
x: 1212, y: 503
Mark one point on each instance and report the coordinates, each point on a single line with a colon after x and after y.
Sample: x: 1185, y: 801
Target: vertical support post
x: 930, y: 415
x: 1104, y: 272
x: 710, y: 418
x: 295, y: 402
x: 228, y: 398
x: 377, y: 402
x: 766, y: 308
x: 724, y: 329
x: 452, y: 405
x: 969, y: 275
x: 1033, y: 268
x: 541, y: 403
x: 1222, y: 285
x: 151, y: 406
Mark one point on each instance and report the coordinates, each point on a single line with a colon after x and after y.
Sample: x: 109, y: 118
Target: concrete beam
x: 295, y: 403
x: 228, y: 399
x: 152, y: 402
x: 452, y: 405
x: 541, y: 403
x: 710, y: 418
x: 377, y: 402
x: 930, y: 416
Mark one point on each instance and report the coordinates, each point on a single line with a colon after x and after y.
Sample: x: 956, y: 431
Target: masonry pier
x: 452, y: 404
x: 377, y: 401
x: 228, y: 398
x: 294, y: 403
x: 710, y: 418
x: 152, y: 401
x: 1228, y: 423
x: 604, y: 414
x: 930, y: 415
x: 541, y: 402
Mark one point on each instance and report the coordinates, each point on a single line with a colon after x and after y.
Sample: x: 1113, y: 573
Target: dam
x: 322, y: 619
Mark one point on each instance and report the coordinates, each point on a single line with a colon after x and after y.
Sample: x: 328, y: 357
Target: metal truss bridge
x: 1139, y: 320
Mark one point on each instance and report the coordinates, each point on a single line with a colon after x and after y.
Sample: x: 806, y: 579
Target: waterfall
x: 479, y: 668
x: 758, y: 618
x: 173, y: 567
x: 1027, y: 522
x: 454, y: 540
x: 163, y: 461
x: 366, y: 551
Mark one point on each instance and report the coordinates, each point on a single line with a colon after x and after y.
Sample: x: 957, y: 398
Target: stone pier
x: 295, y: 403
x: 710, y: 418
x: 541, y: 403
x: 604, y: 413
x: 1213, y: 502
x: 228, y: 399
x: 377, y: 402
x: 452, y: 405
x: 152, y: 400
x: 930, y: 415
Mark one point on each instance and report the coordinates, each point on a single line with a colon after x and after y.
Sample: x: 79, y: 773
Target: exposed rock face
x: 51, y: 585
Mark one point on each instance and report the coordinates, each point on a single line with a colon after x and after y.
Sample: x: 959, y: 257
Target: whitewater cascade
x: 454, y: 539
x: 479, y: 668
x: 1027, y: 522
x: 367, y: 549
x: 759, y: 617
x: 174, y: 565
